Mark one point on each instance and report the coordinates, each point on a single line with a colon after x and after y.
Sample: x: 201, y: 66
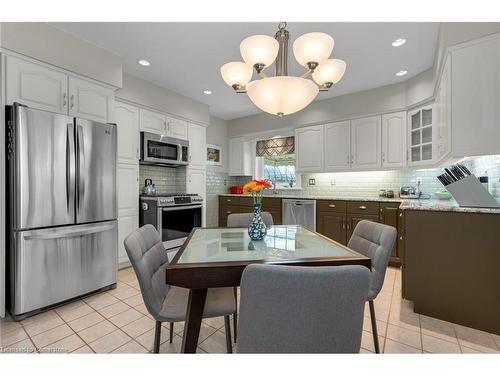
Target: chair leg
x: 157, y: 337
x: 227, y: 328
x: 171, y: 331
x: 235, y: 314
x: 374, y: 326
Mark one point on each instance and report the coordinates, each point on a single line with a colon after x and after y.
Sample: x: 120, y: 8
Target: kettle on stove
x: 149, y: 187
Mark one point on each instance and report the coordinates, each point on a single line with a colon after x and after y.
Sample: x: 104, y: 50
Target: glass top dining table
x: 217, y: 257
x: 282, y: 243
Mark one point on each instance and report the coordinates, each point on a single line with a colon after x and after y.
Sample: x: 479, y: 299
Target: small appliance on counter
x: 409, y: 192
x: 149, y: 188
x: 466, y: 188
x: 236, y: 190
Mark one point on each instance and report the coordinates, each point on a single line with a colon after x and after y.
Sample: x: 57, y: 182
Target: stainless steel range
x: 173, y: 215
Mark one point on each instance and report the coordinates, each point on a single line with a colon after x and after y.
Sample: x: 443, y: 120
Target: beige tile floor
x: 118, y: 322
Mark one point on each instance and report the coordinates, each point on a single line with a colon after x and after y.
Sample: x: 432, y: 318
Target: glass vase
x: 257, y: 229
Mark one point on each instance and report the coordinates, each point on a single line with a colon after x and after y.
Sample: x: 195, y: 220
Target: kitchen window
x: 276, y: 162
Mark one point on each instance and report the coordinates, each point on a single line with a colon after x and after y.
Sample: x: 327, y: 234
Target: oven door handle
x: 182, y: 208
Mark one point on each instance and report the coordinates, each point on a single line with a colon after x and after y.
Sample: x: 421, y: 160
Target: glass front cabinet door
x: 421, y: 139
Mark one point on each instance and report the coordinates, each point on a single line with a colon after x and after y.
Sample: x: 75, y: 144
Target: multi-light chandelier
x: 283, y: 94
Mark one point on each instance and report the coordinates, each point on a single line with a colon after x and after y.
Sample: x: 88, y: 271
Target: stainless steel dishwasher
x: 299, y: 212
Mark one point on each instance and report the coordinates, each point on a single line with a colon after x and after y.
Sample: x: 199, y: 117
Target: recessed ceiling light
x: 399, y: 42
x: 401, y: 73
x: 207, y: 92
x: 144, y: 62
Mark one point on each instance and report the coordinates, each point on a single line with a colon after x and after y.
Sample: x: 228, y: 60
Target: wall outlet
x: 312, y: 181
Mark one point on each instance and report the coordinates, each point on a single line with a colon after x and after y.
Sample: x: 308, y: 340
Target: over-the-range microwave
x: 162, y: 150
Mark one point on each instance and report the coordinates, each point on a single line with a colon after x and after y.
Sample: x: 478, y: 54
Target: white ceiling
x: 186, y: 57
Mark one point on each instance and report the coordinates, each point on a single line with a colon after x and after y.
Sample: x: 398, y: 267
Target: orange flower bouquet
x: 256, y: 188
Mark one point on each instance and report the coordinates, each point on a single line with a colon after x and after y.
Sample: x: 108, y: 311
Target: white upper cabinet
x: 240, y: 157
x: 476, y: 98
x: 442, y: 128
x: 337, y: 146
x: 366, y: 143
x: 197, y: 146
x: 177, y: 128
x: 421, y: 123
x: 127, y: 122
x: 90, y: 101
x: 153, y: 122
x: 36, y: 86
x: 309, y: 149
x: 394, y: 140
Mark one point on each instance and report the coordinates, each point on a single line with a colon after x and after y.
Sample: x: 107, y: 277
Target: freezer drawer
x: 57, y: 264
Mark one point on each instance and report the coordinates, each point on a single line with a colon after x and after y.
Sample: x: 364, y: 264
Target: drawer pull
x: 228, y: 200
x: 331, y: 205
x: 362, y: 207
x: 228, y: 212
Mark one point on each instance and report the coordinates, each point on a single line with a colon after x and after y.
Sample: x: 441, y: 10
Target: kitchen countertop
x: 333, y: 198
x: 406, y: 204
x: 443, y: 205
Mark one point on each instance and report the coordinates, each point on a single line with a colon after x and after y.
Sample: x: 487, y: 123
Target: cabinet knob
x: 401, y: 238
x: 362, y: 207
x: 331, y: 205
x: 401, y: 214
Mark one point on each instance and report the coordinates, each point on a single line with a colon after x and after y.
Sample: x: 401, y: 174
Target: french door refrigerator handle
x: 70, y: 166
x: 65, y: 234
x: 80, y: 166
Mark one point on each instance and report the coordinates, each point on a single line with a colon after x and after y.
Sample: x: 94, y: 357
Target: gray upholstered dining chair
x: 243, y: 221
x: 164, y: 302
x: 375, y: 241
x: 292, y: 309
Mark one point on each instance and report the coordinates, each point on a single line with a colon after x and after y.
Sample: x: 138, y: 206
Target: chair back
x: 244, y: 220
x: 149, y: 259
x: 292, y: 309
x: 375, y: 241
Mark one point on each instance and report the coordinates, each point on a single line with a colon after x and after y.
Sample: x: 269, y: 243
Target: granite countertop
x: 406, y: 204
x: 329, y: 197
x: 443, y: 205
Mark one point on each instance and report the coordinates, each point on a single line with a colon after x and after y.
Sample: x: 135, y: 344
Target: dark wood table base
x: 194, y: 314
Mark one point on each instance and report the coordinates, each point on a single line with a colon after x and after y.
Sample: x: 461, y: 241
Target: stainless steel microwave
x: 163, y: 150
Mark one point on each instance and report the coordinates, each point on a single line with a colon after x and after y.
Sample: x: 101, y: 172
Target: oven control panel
x: 167, y: 201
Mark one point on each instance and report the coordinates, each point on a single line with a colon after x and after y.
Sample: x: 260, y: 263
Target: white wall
x: 374, y: 101
x: 217, y: 135
x: 143, y: 92
x: 48, y: 44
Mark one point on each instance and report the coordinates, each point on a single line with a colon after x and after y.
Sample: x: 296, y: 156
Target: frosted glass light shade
x: 330, y: 70
x: 282, y: 95
x: 312, y: 47
x: 236, y: 73
x: 259, y: 49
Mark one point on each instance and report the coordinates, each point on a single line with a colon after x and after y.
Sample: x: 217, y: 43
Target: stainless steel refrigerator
x: 62, y: 205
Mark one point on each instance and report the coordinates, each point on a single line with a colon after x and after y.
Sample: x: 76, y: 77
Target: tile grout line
x: 76, y: 333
